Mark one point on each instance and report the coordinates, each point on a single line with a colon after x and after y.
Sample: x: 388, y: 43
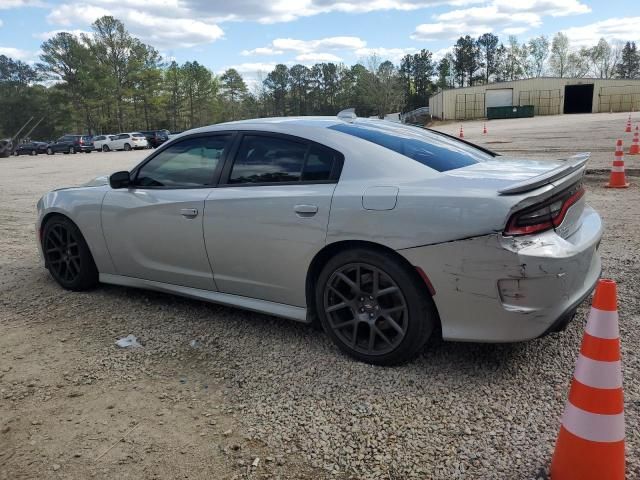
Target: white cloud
x: 613, y: 29
x: 51, y: 33
x: 308, y: 46
x: 168, y: 26
x: 1, y: 22
x: 261, y: 51
x: 393, y: 54
x: 555, y: 8
x: 7, y: 4
x: 28, y: 56
x: 317, y: 57
x: 514, y: 30
x: 511, y: 16
x: 288, y: 10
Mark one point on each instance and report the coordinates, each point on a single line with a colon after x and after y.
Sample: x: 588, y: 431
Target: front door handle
x: 189, y: 212
x: 305, y: 210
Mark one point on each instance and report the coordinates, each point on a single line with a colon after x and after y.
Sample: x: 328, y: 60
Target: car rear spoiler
x: 573, y: 163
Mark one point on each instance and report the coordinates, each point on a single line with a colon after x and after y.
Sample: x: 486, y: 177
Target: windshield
x: 436, y: 151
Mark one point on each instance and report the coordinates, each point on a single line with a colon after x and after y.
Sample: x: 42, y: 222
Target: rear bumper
x: 505, y: 289
x: 85, y: 148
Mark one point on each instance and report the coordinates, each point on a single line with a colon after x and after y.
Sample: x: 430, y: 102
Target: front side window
x: 189, y: 163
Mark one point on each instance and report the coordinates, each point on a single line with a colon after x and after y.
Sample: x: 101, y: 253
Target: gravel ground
x: 72, y: 405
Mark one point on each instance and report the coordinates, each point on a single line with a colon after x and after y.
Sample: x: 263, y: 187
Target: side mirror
x: 119, y: 180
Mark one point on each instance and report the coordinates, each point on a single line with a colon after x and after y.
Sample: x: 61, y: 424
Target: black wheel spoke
x: 62, y: 253
x: 375, y: 300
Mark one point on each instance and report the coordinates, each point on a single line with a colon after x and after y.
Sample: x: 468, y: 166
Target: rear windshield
x: 137, y: 135
x: 87, y: 138
x: 435, y: 151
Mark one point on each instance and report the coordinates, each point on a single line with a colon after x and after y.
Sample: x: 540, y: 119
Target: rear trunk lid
x: 532, y: 182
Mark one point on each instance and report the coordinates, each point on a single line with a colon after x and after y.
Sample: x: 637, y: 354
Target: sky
x: 254, y: 35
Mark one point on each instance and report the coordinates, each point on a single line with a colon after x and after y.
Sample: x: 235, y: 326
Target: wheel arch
x: 328, y: 251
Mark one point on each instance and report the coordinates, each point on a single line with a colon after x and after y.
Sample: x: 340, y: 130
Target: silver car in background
x: 383, y: 232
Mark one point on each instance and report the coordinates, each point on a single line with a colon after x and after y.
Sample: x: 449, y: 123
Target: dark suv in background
x: 71, y: 144
x: 156, y: 137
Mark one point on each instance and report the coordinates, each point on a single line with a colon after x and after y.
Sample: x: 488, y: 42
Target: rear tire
x: 67, y: 255
x: 105, y: 148
x: 33, y: 153
x: 373, y: 308
x: 49, y: 151
x: 127, y: 147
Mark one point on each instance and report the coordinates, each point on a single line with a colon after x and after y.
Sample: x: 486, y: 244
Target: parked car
x: 384, y: 232
x: 129, y: 141
x: 31, y: 148
x: 156, y: 137
x: 71, y: 144
x: 104, y: 142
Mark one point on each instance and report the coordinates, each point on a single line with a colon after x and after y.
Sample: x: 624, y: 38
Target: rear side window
x: 264, y: 159
x: 435, y: 151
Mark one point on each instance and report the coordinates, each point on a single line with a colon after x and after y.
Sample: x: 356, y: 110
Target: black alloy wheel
x: 366, y: 309
x: 374, y: 307
x: 67, y: 255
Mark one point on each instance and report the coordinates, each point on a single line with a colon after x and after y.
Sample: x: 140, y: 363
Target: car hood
x: 97, y: 181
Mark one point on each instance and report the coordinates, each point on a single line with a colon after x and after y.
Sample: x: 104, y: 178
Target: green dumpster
x: 510, y: 112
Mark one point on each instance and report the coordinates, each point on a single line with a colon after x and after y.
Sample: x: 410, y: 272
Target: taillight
x: 545, y: 215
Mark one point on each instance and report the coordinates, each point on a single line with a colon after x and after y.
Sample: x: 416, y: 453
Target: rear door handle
x: 189, y: 212
x: 305, y: 210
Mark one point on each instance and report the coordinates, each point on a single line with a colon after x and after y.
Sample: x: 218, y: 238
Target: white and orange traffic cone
x: 635, y: 146
x: 461, y: 134
x: 628, y: 129
x: 590, y: 444
x: 617, y: 179
x: 484, y: 128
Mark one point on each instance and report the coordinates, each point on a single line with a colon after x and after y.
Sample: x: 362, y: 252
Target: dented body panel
x: 501, y: 289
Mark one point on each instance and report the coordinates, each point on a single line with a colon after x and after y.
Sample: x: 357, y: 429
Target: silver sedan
x: 384, y: 233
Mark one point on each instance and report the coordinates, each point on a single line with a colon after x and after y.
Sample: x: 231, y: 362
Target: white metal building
x: 549, y: 96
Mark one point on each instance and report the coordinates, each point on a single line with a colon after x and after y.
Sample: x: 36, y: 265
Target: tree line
x: 110, y: 81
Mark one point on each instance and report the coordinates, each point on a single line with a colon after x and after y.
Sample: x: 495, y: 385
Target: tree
x: 112, y: 46
x: 298, y: 87
x: 466, y: 60
x: 233, y: 89
x: 629, y: 66
x: 488, y: 45
x: 446, y: 78
x: 416, y: 72
x: 538, y: 51
x: 276, y: 84
x: 604, y: 59
x: 559, y: 54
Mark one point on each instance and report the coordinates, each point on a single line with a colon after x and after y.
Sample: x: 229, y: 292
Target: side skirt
x: 256, y: 305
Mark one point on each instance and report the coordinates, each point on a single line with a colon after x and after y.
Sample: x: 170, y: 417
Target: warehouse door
x: 501, y: 97
x: 578, y: 98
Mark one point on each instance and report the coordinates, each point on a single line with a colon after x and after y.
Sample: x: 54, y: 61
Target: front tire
x: 373, y: 307
x: 67, y: 255
x: 127, y: 147
x: 105, y: 148
x: 49, y: 151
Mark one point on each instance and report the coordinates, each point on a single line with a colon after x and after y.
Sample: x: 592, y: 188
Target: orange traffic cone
x: 628, y: 129
x: 635, y: 146
x: 461, y: 135
x: 484, y: 128
x: 617, y: 179
x: 590, y: 444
